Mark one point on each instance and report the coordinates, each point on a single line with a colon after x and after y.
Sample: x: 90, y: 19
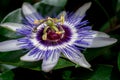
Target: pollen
x: 36, y: 22
x: 60, y: 32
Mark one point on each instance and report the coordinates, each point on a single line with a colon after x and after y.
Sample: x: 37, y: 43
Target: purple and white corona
x: 48, y: 38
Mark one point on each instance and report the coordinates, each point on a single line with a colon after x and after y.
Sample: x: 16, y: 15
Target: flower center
x: 52, y: 30
x: 54, y: 36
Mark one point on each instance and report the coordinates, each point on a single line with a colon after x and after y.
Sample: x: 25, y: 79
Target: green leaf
x: 118, y: 6
x: 59, y: 3
x: 9, y: 33
x: 5, y: 67
x: 119, y: 61
x: 66, y: 75
x: 62, y: 63
x: 90, y: 54
x: 118, y: 17
x: 3, y: 38
x: 102, y: 72
x: 99, y: 72
x: 7, y: 75
x: 48, y: 10
x: 14, y: 16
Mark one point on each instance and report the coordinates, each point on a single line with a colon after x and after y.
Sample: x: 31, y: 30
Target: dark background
x: 95, y: 14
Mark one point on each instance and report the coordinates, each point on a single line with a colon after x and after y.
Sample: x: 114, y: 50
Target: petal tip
x: 47, y: 68
x: 82, y: 10
x: 27, y: 8
x: 89, y: 3
x: 25, y: 4
x: 26, y: 58
x: 102, y: 42
x: 6, y: 46
x: 88, y: 66
x: 85, y: 64
x: 114, y: 40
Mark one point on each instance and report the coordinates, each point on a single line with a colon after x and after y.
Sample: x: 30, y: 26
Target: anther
x: 36, y: 21
x: 44, y: 36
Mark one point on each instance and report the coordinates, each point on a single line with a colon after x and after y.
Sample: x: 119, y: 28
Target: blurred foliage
x: 7, y: 75
x: 104, y: 15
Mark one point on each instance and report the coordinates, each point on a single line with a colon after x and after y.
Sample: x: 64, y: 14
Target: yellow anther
x: 44, y: 36
x: 59, y: 32
x: 45, y: 29
x: 62, y: 19
x: 36, y: 22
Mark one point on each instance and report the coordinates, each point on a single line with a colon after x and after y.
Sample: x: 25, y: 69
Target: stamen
x: 49, y: 22
x: 52, y: 24
x: 36, y: 22
x: 52, y: 29
x: 55, y: 28
x: 62, y: 19
x: 44, y: 36
x: 60, y: 32
x: 45, y: 29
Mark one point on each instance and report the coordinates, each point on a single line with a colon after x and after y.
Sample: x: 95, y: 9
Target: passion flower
x: 48, y: 38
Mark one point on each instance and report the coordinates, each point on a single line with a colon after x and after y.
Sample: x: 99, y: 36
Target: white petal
x: 9, y: 45
x: 30, y: 13
x: 49, y: 63
x: 83, y: 62
x: 36, y: 56
x: 73, y: 54
x: 77, y: 58
x: 82, y: 10
x: 12, y: 26
x: 96, y: 40
x: 28, y: 9
x: 101, y: 42
x: 101, y: 34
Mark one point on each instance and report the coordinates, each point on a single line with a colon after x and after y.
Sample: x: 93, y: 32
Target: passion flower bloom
x: 48, y: 38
